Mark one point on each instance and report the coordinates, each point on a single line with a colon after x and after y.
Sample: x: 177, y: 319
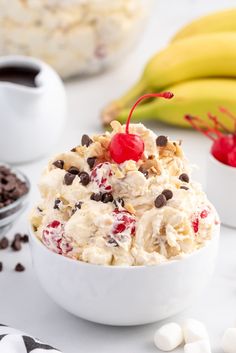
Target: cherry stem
x: 217, y: 123
x: 230, y: 115
x: 199, y: 125
x: 166, y: 95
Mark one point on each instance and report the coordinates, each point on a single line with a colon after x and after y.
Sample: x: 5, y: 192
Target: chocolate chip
x: 184, y: 177
x: 4, y: 243
x: 84, y: 178
x: 19, y: 267
x: 86, y: 140
x: 160, y: 201
x: 17, y: 236
x: 11, y: 188
x: 184, y: 187
x: 143, y: 171
x: 91, y: 161
x: 119, y: 202
x: 59, y: 163
x: 39, y: 209
x: 96, y: 197
x: 73, y: 170
x: 161, y: 141
x: 56, y: 204
x: 25, y: 238
x: 73, y: 149
x: 1, y: 266
x: 107, y: 197
x: 76, y: 207
x: 69, y: 178
x: 112, y: 242
x: 16, y: 245
x: 168, y: 194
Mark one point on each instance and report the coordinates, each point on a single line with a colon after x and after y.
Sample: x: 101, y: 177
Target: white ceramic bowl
x: 124, y: 295
x: 221, y: 189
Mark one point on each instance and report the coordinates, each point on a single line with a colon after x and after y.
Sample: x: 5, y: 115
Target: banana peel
x: 220, y: 21
x: 197, y: 98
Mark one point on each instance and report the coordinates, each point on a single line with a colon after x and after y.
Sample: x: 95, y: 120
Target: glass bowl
x: 9, y: 214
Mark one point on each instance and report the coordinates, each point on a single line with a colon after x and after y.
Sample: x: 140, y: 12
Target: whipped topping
x: 114, y: 218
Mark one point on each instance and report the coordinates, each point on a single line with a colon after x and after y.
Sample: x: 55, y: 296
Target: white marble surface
x: 23, y: 303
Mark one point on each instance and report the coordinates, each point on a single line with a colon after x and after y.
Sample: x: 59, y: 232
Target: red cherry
x: 124, y: 222
x: 195, y: 225
x: 204, y: 214
x: 53, y: 237
x: 126, y: 146
x: 232, y: 158
x: 222, y: 147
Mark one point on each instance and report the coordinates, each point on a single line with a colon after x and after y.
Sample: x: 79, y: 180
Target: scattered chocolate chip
x: 161, y: 141
x: 1, y: 266
x: 4, y: 243
x: 86, y: 140
x: 16, y: 245
x: 107, y: 197
x: 69, y: 178
x: 143, y: 171
x: 184, y: 187
x: 17, y: 236
x: 184, y: 177
x: 91, y: 161
x: 39, y: 209
x: 160, y: 201
x: 19, y: 267
x: 119, y: 202
x: 168, y: 194
x: 73, y: 149
x: 84, y: 178
x: 96, y: 197
x: 56, y: 204
x: 59, y: 163
x: 73, y: 170
x: 25, y: 238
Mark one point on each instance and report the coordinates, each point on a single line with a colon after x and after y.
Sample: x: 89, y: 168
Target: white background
x: 24, y: 305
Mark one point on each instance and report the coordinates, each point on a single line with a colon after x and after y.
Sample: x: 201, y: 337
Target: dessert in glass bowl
x: 123, y: 198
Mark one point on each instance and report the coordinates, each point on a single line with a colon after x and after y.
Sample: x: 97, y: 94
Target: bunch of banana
x: 199, y: 67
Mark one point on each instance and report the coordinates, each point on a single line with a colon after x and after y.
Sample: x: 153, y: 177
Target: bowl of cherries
x: 221, y: 164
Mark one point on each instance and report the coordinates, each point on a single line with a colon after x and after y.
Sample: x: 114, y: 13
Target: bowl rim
x: 24, y: 178
x: 220, y: 164
x: 37, y: 241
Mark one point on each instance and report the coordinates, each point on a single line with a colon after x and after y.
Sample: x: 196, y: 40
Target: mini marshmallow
x: 202, y: 346
x: 229, y: 341
x: 168, y: 337
x: 194, y: 331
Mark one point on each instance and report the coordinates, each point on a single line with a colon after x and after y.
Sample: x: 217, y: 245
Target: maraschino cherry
x: 126, y: 146
x: 224, y: 142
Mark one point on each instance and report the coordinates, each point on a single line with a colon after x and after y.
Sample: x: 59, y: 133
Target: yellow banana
x: 221, y: 21
x: 210, y: 55
x: 197, y: 97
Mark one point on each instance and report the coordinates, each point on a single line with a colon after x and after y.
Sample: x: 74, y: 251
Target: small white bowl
x: 221, y: 189
x: 124, y: 296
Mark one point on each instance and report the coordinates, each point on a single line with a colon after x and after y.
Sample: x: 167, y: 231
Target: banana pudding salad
x: 142, y: 212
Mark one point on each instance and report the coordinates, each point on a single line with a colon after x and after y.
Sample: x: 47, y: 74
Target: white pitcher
x: 31, y: 118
